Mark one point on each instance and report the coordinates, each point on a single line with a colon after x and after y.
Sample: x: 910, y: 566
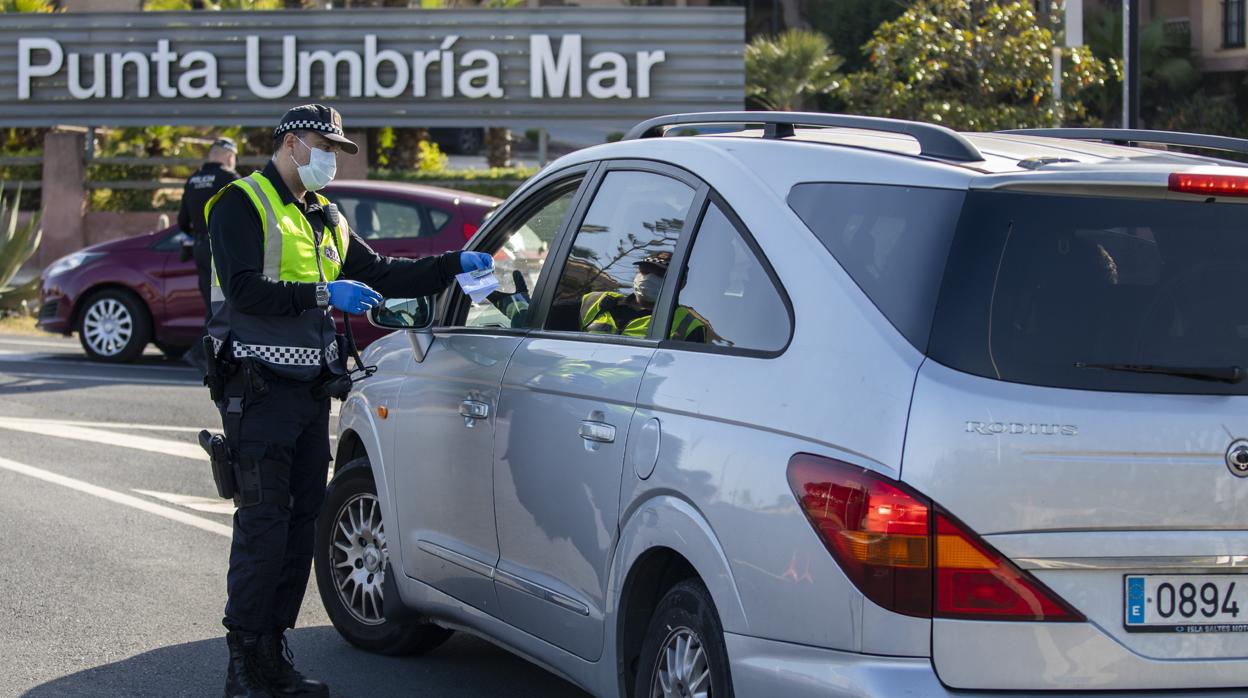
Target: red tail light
x: 1210, y: 184
x: 878, y: 530
x: 975, y: 581
x: 907, y: 555
x: 470, y: 230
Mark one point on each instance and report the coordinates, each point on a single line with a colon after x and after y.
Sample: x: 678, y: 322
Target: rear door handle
x: 472, y: 411
x: 597, y: 432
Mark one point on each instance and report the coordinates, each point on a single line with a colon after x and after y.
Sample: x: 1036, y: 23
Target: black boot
x: 278, y: 669
x: 243, y: 678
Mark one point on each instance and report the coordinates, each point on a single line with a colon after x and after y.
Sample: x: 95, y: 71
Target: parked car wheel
x: 115, y: 326
x: 683, y: 655
x: 351, y: 559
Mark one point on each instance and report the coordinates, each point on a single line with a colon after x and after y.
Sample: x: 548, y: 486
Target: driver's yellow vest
x: 599, y: 320
x: 295, y: 346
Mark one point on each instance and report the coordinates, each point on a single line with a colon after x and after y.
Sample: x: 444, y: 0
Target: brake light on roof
x: 1209, y: 184
x: 908, y: 556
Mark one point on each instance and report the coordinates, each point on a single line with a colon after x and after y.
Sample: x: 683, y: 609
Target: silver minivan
x: 823, y: 406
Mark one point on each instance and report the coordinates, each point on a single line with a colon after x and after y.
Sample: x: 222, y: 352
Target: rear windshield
x: 1068, y: 291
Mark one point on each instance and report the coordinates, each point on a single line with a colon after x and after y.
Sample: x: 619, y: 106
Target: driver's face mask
x: 647, y: 287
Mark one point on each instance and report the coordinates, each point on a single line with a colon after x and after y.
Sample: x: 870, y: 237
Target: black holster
x: 232, y: 386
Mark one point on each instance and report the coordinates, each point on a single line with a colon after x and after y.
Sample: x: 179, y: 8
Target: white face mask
x: 320, y: 170
x: 647, y: 287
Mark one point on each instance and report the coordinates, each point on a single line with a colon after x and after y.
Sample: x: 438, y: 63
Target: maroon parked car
x: 121, y: 295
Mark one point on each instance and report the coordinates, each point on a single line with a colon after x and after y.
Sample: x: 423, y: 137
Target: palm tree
x: 784, y: 73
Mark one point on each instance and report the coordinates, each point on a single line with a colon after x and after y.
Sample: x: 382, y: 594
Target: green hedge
x: 496, y: 181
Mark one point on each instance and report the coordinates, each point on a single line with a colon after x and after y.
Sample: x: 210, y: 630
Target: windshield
x: 1076, y: 292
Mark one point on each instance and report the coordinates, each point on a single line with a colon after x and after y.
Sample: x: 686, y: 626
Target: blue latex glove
x: 473, y: 261
x: 352, y: 296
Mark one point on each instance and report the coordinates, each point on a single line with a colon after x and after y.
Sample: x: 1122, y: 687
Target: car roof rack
x: 934, y: 141
x: 1129, y: 136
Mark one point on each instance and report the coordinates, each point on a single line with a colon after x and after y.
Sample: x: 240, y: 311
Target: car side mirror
x: 186, y: 251
x: 403, y: 313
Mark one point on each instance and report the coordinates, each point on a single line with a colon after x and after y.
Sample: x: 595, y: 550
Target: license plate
x: 1186, y: 603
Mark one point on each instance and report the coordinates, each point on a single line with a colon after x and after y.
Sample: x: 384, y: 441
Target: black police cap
x: 316, y: 117
x: 226, y: 143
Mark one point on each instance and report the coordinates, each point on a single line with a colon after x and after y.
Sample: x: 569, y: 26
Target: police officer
x: 283, y: 257
x: 216, y: 172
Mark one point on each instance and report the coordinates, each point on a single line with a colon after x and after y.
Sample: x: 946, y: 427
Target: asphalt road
x: 115, y: 550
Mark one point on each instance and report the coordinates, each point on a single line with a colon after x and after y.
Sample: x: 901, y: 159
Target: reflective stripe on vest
x: 595, y: 320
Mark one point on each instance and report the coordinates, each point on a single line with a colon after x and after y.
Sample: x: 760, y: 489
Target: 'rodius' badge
x: 331, y: 253
x: 1237, y: 458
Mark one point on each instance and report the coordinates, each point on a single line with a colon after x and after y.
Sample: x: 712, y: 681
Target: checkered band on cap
x: 282, y: 356
x: 307, y: 125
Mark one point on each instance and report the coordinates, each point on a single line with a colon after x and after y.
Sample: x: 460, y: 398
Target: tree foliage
x: 976, y: 65
x: 786, y: 72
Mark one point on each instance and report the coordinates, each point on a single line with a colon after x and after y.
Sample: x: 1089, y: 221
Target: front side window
x: 620, y: 256
x: 519, y: 257
x: 726, y: 298
x: 381, y: 219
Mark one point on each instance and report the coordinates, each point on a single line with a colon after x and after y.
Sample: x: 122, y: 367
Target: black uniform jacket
x: 200, y: 187
x: 238, y: 251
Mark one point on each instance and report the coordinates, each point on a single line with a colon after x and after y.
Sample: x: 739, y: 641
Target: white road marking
x: 100, y: 436
x: 25, y: 357
x: 97, y: 379
x: 211, y: 505
x: 122, y: 425
x: 37, y: 343
x: 118, y: 497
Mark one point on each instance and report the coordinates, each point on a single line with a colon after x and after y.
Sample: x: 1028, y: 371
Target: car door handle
x: 472, y: 411
x: 598, y: 432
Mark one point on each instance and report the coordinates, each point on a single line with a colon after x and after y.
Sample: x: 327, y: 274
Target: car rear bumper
x: 767, y: 667
x: 55, y: 312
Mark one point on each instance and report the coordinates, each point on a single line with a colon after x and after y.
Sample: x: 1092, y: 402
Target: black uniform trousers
x: 287, y: 431
x: 203, y: 267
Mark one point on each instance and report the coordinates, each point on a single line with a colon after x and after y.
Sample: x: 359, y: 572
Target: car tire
x: 685, y: 623
x: 114, y: 326
x: 350, y: 580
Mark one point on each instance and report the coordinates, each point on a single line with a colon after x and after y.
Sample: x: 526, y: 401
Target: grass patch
x: 20, y: 324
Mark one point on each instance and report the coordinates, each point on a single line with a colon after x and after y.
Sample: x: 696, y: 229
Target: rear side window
x: 893, y: 241
x: 1086, y: 292
x: 726, y: 297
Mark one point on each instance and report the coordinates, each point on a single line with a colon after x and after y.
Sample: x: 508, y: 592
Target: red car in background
x: 121, y: 295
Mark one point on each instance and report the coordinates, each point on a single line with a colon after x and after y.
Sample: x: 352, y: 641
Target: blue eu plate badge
x: 1135, y: 600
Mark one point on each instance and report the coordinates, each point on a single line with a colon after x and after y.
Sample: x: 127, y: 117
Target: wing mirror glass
x: 403, y: 313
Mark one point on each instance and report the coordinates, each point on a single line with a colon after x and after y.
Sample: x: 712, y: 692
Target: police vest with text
x: 293, y: 346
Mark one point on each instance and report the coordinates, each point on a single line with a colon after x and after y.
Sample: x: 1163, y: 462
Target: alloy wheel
x: 682, y: 670
x: 359, y: 557
x: 108, y: 326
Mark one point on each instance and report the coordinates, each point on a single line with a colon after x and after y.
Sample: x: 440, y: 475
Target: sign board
x: 519, y: 68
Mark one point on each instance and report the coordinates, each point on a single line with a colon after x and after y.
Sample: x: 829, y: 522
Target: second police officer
x: 283, y: 258
x: 216, y: 172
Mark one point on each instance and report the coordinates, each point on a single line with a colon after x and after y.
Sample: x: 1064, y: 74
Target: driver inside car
x: 611, y: 312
